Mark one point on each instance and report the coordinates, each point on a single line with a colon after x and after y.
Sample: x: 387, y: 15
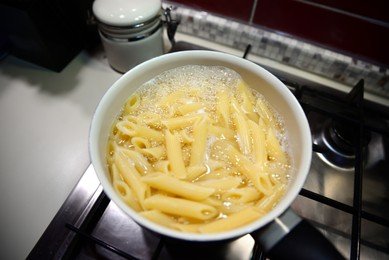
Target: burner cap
x: 340, y: 136
x: 339, y: 141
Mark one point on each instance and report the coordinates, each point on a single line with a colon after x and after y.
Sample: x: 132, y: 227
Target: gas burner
x: 339, y: 137
x: 338, y: 141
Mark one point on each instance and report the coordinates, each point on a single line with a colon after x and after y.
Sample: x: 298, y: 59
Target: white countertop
x: 44, y: 124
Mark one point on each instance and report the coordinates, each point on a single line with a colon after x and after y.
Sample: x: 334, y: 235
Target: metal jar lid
x: 128, y: 20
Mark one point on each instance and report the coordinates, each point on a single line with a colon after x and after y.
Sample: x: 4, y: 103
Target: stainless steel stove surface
x: 346, y: 195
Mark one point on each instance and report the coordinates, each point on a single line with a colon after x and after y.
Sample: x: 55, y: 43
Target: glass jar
x: 131, y: 31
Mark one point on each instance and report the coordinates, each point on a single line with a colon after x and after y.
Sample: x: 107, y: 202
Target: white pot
x: 278, y: 95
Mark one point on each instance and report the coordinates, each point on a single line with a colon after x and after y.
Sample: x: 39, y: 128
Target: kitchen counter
x: 45, y: 118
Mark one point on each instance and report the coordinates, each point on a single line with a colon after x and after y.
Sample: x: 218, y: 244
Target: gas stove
x: 346, y: 194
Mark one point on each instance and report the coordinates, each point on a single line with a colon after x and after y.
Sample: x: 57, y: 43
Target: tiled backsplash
x: 241, y: 10
x: 287, y: 50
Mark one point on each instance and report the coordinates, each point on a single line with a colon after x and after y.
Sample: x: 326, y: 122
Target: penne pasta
x: 194, y: 172
x: 132, y: 104
x: 132, y: 119
x: 278, y: 172
x: 190, y: 108
x: 223, y: 109
x: 132, y: 178
x: 259, y: 142
x: 191, y: 228
x: 140, y: 162
x: 185, y: 136
x: 229, y: 208
x: 222, y: 132
x: 158, y: 217
x: 216, y: 174
x: 178, y: 187
x: 163, y: 166
x: 203, y: 158
x: 214, y: 165
x: 274, y: 149
x: 235, y: 220
x: 126, y: 194
x: 248, y: 101
x: 253, y: 172
x: 154, y: 153
x: 248, y: 98
x: 200, y: 129
x: 150, y: 118
x: 268, y: 202
x: 243, y: 134
x: 264, y: 112
x: 241, y: 195
x: 172, y: 98
x: 174, y: 155
x: 140, y: 143
x: 222, y: 184
x: 132, y: 129
x: 181, y: 207
x: 180, y: 122
x: 213, y: 201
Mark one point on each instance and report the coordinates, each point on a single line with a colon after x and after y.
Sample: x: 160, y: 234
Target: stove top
x: 346, y: 195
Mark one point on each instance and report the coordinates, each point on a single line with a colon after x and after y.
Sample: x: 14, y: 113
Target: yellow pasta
x: 228, y: 208
x: 185, y: 136
x: 259, y: 142
x: 163, y: 166
x: 140, y: 143
x: 195, y: 171
x: 221, y: 132
x: 200, y: 130
x: 132, y: 104
x: 178, y: 187
x: 216, y: 174
x: 149, y: 118
x: 181, y: 207
x: 153, y: 153
x: 259, y: 179
x: 174, y: 155
x: 264, y: 112
x: 241, y: 195
x: 132, y: 129
x: 191, y: 228
x: 268, y: 202
x: 172, y: 98
x: 139, y: 161
x: 190, y: 108
x: 214, y: 165
x: 235, y: 220
x: 124, y: 191
x: 181, y: 121
x: 213, y: 201
x: 158, y: 217
x: 222, y: 184
x: 126, y: 194
x: 248, y: 100
x: 204, y: 155
x: 132, y: 178
x: 243, y: 134
x: 274, y: 149
x: 223, y: 108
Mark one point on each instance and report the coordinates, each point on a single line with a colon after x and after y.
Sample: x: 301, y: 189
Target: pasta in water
x: 197, y: 150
